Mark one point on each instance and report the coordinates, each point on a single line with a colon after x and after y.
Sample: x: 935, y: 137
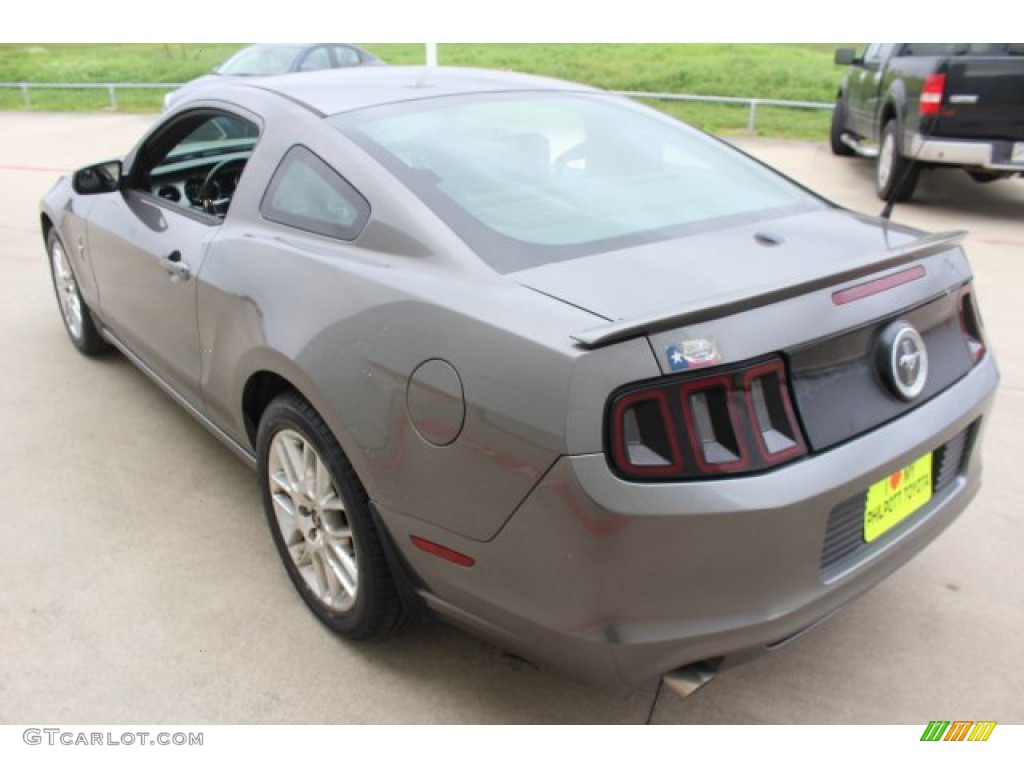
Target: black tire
x: 895, y: 175
x: 327, y: 539
x: 987, y: 177
x: 78, y: 320
x: 838, y: 129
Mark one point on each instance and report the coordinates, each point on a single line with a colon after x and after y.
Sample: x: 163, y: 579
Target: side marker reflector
x: 443, y: 552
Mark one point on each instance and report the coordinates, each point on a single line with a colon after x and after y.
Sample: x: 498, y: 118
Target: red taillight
x: 647, y: 444
x: 970, y: 324
x: 709, y: 406
x: 931, y: 94
x: 771, y: 413
x: 739, y: 420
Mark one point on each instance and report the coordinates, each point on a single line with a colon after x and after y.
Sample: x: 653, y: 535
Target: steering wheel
x: 214, y: 196
x: 561, y: 163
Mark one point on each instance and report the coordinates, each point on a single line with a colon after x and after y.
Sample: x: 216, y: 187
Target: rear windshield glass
x: 962, y: 49
x: 533, y: 178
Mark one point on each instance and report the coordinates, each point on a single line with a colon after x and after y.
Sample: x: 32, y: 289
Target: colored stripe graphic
x: 982, y: 730
x: 958, y: 730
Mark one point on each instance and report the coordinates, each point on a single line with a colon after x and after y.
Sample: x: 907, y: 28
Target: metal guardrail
x: 751, y: 103
x: 110, y: 88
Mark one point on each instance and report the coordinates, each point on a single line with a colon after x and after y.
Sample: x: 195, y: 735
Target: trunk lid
x: 717, y: 268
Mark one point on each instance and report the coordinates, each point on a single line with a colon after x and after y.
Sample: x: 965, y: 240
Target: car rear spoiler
x: 741, y: 301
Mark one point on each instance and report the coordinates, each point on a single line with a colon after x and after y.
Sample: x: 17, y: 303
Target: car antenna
x: 430, y: 64
x: 891, y: 202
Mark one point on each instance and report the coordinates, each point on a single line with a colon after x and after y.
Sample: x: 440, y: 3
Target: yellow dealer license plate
x: 897, y: 497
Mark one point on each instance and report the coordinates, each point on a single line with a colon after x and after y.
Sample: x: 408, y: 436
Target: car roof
x: 329, y: 92
x: 264, y: 46
x: 296, y: 46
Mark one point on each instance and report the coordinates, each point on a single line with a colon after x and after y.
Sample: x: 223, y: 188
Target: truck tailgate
x: 983, y: 99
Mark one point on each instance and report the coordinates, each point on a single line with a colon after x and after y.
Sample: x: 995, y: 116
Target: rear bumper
x: 619, y: 583
x: 990, y: 155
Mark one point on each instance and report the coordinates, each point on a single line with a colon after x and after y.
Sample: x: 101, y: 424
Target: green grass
x: 797, y: 72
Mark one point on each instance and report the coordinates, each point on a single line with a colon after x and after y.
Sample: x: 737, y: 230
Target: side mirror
x: 845, y: 56
x: 97, y: 179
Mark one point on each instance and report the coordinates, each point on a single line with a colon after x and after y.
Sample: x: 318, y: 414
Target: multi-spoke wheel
x: 895, y: 175
x: 320, y: 520
x: 77, y: 320
x: 311, y: 518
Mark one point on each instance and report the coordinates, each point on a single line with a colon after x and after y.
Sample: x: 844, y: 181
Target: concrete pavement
x: 140, y: 584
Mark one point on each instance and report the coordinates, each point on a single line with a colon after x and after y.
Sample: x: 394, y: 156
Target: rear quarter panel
x: 349, y: 330
x: 348, y: 323
x: 901, y: 83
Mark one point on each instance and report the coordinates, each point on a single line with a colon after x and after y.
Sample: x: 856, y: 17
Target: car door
x: 147, y: 242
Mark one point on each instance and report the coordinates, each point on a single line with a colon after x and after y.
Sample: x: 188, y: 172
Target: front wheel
x: 839, y: 147
x: 77, y: 319
x: 320, y: 520
x: 895, y: 175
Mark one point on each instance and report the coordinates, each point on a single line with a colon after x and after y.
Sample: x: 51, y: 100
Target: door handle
x: 175, y: 267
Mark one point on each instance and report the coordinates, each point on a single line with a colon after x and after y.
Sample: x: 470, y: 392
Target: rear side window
x: 346, y: 57
x: 308, y: 194
x: 318, y: 58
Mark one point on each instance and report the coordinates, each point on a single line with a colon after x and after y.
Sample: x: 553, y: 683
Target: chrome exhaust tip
x: 686, y: 681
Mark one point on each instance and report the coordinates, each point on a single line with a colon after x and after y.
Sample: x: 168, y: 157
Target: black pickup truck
x: 913, y: 106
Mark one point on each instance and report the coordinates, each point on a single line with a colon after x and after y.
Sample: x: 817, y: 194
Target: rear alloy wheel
x: 895, y: 175
x: 320, y: 519
x: 78, y: 320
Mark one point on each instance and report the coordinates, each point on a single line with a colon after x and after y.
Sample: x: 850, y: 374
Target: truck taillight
x: 931, y: 94
x: 721, y: 423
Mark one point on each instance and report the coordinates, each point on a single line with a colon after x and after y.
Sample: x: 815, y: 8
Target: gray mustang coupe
x: 535, y: 358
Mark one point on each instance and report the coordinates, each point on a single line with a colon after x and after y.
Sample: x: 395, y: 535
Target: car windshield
x: 260, y: 60
x: 533, y: 178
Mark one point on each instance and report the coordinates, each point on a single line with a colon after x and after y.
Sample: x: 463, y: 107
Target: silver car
x: 277, y: 59
x: 536, y: 358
